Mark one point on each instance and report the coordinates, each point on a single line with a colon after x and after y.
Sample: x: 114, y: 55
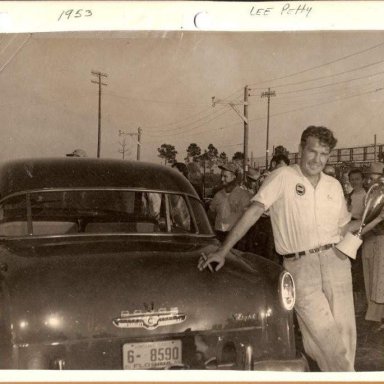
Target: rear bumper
x: 299, y: 364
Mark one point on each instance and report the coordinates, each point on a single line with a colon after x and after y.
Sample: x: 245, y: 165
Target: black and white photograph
x: 192, y: 200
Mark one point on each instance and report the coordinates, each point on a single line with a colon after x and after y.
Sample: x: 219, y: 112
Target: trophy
x: 373, y: 204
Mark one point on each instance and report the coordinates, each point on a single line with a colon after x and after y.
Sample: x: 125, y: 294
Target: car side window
x: 179, y: 213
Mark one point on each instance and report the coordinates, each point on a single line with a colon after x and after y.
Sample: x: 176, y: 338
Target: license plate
x: 152, y: 355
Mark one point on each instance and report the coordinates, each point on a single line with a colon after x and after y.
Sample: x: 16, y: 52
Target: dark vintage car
x: 98, y: 264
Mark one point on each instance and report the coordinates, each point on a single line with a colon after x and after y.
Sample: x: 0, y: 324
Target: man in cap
x: 229, y: 203
x: 309, y: 215
x: 77, y: 153
x: 251, y: 180
x: 278, y: 161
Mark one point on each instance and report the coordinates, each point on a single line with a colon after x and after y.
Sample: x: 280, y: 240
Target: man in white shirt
x: 309, y: 214
x: 228, y: 204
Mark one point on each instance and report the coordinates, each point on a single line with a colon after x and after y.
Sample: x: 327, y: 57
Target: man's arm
x: 250, y: 216
x: 373, y: 223
x: 354, y: 225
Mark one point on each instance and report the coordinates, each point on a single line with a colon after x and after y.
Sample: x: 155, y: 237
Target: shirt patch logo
x: 300, y: 189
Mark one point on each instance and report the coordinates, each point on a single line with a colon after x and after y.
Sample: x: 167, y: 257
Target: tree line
x: 209, y: 156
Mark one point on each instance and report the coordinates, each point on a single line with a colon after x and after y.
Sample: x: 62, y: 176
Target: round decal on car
x: 300, y: 189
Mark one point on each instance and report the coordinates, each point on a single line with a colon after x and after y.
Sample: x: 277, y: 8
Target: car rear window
x: 69, y: 212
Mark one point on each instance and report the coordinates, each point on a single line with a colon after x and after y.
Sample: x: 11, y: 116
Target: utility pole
x: 124, y: 148
x: 132, y: 134
x: 138, y: 143
x: 246, y: 131
x: 244, y: 117
x: 267, y: 94
x: 100, y: 83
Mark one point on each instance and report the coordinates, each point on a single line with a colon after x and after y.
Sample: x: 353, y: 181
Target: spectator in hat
x: 229, y: 203
x: 373, y: 260
x: 278, y: 161
x: 251, y: 180
x: 77, y: 153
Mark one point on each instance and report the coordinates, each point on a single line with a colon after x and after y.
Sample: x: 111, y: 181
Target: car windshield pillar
x: 29, y: 214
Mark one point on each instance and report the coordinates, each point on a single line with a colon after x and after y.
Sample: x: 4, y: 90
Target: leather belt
x: 313, y: 250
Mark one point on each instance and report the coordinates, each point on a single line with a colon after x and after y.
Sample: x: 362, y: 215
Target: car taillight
x: 287, y: 291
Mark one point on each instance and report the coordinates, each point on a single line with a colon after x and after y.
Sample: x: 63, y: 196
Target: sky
x: 164, y: 82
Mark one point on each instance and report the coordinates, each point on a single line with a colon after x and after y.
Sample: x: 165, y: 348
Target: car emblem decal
x: 149, y: 319
x: 300, y: 189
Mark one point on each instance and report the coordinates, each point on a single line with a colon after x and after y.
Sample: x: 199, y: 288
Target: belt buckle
x: 297, y: 256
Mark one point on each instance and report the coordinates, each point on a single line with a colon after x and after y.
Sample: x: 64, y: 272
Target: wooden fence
x: 345, y: 157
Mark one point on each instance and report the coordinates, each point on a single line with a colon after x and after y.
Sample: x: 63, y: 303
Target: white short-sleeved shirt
x: 303, y: 217
x: 228, y: 207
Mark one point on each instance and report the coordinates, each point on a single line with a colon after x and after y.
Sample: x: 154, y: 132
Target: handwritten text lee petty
x: 288, y: 9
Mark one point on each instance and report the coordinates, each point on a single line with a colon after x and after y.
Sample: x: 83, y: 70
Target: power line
x: 299, y: 109
x: 187, y: 118
x: 191, y: 134
x: 153, y: 100
x: 186, y: 125
x: 322, y: 93
x: 190, y: 129
x: 307, y: 107
x: 326, y: 76
x: 333, y: 84
x: 320, y: 65
x: 322, y: 103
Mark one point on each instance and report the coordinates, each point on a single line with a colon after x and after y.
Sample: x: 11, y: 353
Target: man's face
x: 314, y: 156
x: 227, y: 177
x: 356, y: 180
x: 251, y: 183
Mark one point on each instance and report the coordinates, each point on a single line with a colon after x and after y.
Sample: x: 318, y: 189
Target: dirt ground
x: 370, y: 345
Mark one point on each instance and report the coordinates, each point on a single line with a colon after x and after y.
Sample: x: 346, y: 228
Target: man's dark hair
x: 279, y: 158
x: 355, y: 171
x: 182, y: 168
x: 324, y: 135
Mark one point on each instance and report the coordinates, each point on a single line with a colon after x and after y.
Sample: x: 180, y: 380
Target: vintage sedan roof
x: 67, y: 172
